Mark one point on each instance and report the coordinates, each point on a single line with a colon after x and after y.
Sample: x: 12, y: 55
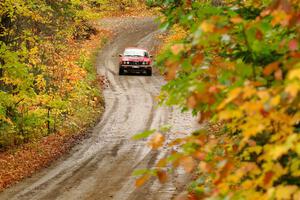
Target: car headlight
x: 127, y: 63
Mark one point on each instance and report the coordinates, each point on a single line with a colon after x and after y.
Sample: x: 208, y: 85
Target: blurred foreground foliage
x: 236, y: 64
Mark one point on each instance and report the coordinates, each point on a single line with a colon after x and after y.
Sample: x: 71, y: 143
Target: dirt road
x: 100, y: 167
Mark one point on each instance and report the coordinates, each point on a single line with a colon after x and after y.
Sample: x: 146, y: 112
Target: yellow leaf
x: 233, y: 94
x: 229, y: 114
x: 296, y: 118
x: 296, y: 195
x: 263, y: 95
x: 247, y: 184
x: 278, y: 151
x: 293, y: 74
x: 298, y: 149
x: 285, y: 192
x: 207, y: 27
x: 292, y: 89
x: 294, y: 167
x: 270, y: 193
x: 252, y: 108
x: 248, y: 92
x: 162, y: 163
x: 251, y: 130
x: 275, y: 100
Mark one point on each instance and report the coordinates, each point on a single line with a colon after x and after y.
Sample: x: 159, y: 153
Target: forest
x: 46, y: 84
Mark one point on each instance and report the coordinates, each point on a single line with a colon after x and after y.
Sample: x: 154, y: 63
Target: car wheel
x: 149, y: 72
x: 121, y: 71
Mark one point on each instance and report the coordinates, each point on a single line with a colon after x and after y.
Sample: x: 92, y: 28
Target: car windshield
x: 135, y: 53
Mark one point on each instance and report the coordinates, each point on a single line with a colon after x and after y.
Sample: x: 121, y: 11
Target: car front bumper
x: 136, y: 68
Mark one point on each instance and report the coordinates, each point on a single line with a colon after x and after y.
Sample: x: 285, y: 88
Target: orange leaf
x: 280, y: 17
x: 204, y: 116
x: 188, y: 3
x: 199, y: 155
x: 224, y: 172
x: 193, y: 196
x: 269, y: 69
x: 295, y: 54
x: 187, y: 163
x: 236, y: 20
x: 278, y: 75
x: 259, y: 35
x: 198, y: 59
x: 268, y: 177
x: 192, y: 101
x: 162, y: 176
x: 142, y: 180
x: 205, y: 167
x: 212, y: 70
x: 171, y: 70
x: 157, y: 141
x: 214, y: 89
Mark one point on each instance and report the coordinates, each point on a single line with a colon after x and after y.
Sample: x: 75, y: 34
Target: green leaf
x: 165, y: 128
x: 143, y: 135
x: 139, y: 172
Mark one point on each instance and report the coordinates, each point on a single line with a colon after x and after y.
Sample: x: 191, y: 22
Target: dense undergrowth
x: 47, y: 82
x: 236, y: 64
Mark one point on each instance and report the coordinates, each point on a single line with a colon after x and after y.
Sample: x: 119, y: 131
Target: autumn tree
x: 237, y: 68
x: 35, y: 75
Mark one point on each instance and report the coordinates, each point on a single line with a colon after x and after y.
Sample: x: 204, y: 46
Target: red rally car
x: 135, y: 60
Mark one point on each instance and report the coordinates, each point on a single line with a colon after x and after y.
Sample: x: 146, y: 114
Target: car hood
x: 136, y: 59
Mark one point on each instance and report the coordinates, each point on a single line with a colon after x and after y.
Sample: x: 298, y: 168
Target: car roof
x: 136, y: 48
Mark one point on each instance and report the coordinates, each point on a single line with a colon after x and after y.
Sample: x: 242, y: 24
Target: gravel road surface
x: 100, y: 167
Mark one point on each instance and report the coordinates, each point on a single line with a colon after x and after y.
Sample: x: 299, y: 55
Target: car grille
x: 135, y: 63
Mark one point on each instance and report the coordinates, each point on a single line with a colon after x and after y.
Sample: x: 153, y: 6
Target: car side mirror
x: 120, y: 55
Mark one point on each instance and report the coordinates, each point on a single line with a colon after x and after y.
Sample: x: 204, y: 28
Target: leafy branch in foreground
x: 239, y: 69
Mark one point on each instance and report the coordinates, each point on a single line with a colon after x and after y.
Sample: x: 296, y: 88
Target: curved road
x: 100, y: 167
